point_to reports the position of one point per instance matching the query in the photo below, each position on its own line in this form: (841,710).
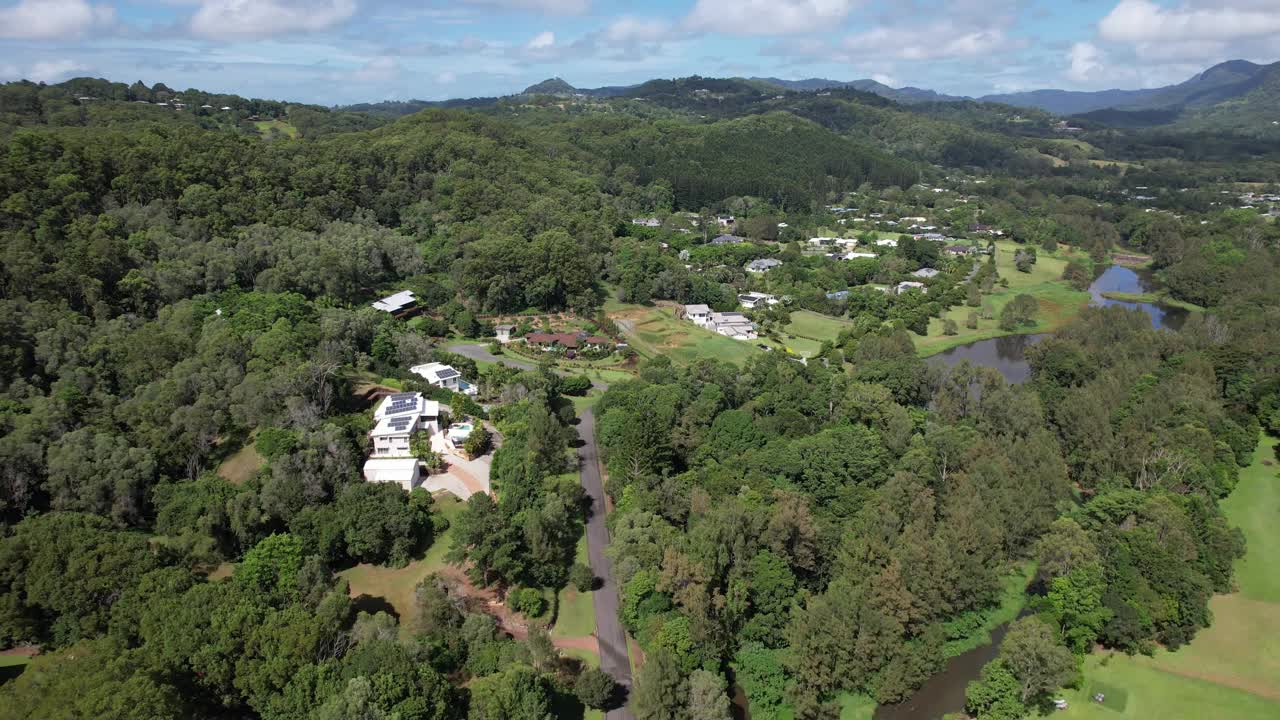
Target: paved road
(480,352)
(609,634)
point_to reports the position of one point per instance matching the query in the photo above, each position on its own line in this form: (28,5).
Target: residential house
(399,305)
(936,237)
(732,324)
(887,242)
(397,418)
(925,273)
(838,295)
(699,315)
(856,255)
(652,222)
(763,265)
(909,285)
(567,341)
(725,220)
(958,250)
(444,376)
(405,472)
(752,299)
(727,240)
(502,333)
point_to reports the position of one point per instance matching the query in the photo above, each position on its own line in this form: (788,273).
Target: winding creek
(944,693)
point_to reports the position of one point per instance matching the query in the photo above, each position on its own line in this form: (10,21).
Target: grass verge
(1059,302)
(1232,668)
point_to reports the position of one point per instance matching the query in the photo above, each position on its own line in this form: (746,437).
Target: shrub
(273,442)
(582,577)
(594,688)
(478,442)
(575,385)
(528,601)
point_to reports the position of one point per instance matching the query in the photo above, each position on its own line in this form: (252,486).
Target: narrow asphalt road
(481,353)
(611,639)
(609,634)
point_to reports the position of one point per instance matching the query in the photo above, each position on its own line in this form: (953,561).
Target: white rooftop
(397,470)
(395,303)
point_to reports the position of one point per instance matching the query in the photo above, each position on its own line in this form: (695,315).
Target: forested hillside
(813,514)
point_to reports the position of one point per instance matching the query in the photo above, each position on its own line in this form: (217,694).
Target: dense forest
(177,286)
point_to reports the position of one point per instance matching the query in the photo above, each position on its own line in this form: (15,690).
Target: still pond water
(944,692)
(1008,354)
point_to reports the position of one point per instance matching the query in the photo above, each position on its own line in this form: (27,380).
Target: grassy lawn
(14,660)
(816,326)
(1232,668)
(577,616)
(658,332)
(266,126)
(1059,302)
(242,465)
(395,585)
(1254,507)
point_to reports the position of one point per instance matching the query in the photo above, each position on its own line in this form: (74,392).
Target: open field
(242,464)
(265,127)
(816,326)
(395,585)
(1232,668)
(1059,302)
(577,614)
(657,331)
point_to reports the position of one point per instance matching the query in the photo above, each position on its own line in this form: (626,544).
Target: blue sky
(341,51)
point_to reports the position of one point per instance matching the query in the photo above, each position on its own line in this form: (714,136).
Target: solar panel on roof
(447,374)
(400,397)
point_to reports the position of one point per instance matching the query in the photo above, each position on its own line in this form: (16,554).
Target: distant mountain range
(1235,94)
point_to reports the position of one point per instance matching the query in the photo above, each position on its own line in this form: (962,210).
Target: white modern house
(732,324)
(887,242)
(699,315)
(502,333)
(397,418)
(856,255)
(444,376)
(404,472)
(397,304)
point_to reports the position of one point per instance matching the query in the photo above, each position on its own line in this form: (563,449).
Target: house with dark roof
(763,265)
(727,240)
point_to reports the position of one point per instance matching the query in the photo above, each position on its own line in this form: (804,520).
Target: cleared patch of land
(654,331)
(577,615)
(815,327)
(269,128)
(1059,302)
(241,465)
(1232,668)
(396,585)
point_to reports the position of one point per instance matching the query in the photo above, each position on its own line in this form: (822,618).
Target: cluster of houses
(730,324)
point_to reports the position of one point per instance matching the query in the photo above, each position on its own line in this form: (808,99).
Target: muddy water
(944,693)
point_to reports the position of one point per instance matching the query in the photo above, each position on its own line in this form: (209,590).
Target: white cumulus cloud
(547,7)
(899,43)
(1145,21)
(52,19)
(768,17)
(542,41)
(1086,60)
(260,18)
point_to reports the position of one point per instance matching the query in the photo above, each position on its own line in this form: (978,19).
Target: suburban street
(609,634)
